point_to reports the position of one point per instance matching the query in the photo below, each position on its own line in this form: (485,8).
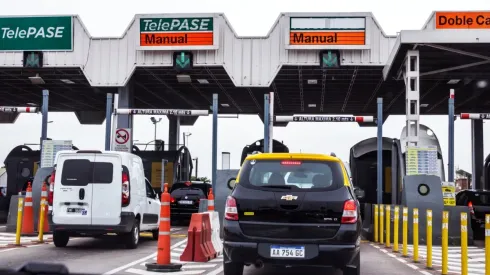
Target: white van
(93,193)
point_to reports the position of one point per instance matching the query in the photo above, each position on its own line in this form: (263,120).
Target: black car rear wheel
(231,268)
(355,267)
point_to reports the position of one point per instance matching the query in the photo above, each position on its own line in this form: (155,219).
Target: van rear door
(107,189)
(72,199)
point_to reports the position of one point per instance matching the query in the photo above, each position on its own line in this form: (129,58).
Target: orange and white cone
(210,200)
(28,217)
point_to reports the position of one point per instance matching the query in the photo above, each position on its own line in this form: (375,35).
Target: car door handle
(149,202)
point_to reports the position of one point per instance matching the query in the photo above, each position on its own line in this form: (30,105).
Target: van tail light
(470,206)
(231,211)
(349,215)
(51,188)
(172,200)
(125,189)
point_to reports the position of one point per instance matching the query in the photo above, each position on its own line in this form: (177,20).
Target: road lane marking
(8,249)
(116,270)
(216,271)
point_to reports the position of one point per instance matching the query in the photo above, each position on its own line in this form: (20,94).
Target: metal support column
(108,122)
(271,122)
(451,136)
(477,153)
(412,96)
(44,123)
(266,124)
(215,142)
(380,151)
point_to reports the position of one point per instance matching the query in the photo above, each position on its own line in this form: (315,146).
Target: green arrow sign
(32,61)
(330,60)
(182,60)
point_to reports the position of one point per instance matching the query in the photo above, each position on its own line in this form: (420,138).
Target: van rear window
(294,175)
(81,172)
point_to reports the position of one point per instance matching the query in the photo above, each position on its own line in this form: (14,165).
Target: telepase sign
(36,33)
(173,33)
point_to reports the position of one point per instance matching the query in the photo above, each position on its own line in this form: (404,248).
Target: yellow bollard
(376,217)
(445,238)
(405,232)
(395,228)
(464,243)
(429,238)
(41,221)
(388,227)
(487,244)
(415,235)
(20,206)
(381,224)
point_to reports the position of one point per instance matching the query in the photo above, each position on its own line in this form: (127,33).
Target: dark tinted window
(194,188)
(103,172)
(76,172)
(80,172)
(292,174)
(480,199)
(188,191)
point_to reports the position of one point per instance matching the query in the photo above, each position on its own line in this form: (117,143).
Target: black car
(185,198)
(478,202)
(292,210)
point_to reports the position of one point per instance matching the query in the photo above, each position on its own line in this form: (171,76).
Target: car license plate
(77,211)
(278,251)
(186,202)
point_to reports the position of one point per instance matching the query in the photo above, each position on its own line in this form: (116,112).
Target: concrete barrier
(203,206)
(215,231)
(222,191)
(12,216)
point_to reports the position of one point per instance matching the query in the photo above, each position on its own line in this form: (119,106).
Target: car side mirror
(231,183)
(359,192)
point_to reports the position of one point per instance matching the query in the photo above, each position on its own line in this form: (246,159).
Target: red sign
(122,136)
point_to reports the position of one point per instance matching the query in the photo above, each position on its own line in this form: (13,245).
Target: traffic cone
(163,263)
(210,200)
(28,217)
(44,198)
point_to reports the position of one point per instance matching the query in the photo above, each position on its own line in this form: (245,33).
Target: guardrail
(386,220)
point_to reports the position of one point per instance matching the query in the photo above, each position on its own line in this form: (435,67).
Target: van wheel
(60,238)
(133,237)
(155,234)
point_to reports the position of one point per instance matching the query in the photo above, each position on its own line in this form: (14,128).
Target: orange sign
(463,20)
(176,39)
(327,38)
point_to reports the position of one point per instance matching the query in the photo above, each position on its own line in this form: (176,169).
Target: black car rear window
(293,174)
(194,188)
(187,191)
(81,172)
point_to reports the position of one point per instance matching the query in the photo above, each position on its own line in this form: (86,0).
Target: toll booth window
(296,175)
(103,172)
(76,172)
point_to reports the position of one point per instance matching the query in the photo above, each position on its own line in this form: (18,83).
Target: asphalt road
(107,256)
(84,255)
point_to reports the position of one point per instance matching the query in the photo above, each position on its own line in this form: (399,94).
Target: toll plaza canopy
(314,63)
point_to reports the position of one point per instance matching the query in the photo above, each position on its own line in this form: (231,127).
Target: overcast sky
(111,18)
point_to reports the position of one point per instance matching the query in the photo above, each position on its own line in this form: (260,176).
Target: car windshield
(293,174)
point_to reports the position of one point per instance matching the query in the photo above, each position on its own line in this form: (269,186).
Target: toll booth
(258,146)
(178,165)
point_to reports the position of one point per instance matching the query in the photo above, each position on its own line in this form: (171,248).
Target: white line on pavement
(144,272)
(216,271)
(116,270)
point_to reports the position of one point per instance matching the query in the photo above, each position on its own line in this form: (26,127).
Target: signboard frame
(367,29)
(128,144)
(216,23)
(44,151)
(72,27)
